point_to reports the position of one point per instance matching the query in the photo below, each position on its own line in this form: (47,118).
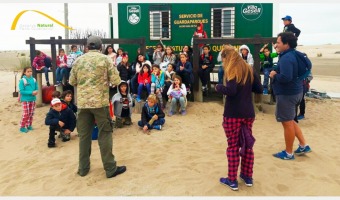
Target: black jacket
(124,73)
(292,28)
(207,60)
(146,115)
(66,115)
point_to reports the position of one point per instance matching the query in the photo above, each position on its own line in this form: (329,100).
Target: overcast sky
(318,22)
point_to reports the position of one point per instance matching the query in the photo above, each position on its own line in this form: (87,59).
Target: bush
(23,62)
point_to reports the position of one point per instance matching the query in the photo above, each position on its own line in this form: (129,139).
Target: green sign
(251,11)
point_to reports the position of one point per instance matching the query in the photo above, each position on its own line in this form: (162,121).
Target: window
(160,25)
(223,22)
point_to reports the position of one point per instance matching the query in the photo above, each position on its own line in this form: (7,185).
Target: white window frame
(152,37)
(232,31)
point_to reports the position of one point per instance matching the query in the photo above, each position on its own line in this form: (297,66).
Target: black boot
(51,138)
(51,142)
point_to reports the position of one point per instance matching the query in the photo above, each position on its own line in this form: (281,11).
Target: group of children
(43,63)
(61,116)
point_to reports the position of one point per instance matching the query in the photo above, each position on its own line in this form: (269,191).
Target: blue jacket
(286,80)
(159,81)
(27,89)
(66,115)
(187,68)
(148,113)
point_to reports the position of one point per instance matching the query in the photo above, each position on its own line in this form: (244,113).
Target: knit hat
(55,101)
(94,41)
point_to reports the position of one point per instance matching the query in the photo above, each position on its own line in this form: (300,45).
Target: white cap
(55,101)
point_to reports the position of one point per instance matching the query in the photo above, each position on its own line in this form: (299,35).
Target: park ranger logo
(133,14)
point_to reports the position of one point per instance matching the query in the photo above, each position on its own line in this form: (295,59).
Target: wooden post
(39,95)
(54,58)
(59,44)
(32,55)
(142,46)
(197,90)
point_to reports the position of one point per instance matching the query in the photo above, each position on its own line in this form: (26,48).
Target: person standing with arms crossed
(289,27)
(288,91)
(92,73)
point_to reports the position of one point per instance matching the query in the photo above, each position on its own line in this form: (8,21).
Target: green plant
(23,62)
(22,54)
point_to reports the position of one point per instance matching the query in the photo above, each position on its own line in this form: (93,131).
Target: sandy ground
(186,158)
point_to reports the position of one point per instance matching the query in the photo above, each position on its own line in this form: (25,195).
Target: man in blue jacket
(288,90)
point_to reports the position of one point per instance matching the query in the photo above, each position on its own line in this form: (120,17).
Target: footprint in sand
(282,188)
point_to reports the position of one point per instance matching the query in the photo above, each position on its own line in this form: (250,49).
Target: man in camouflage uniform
(92,73)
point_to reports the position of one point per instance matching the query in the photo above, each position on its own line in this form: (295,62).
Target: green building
(175,23)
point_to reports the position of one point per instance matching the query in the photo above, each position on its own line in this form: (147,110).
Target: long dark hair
(24,71)
(106,52)
(142,72)
(180,81)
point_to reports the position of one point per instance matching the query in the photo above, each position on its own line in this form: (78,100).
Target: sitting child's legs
(182,102)
(127,121)
(173,105)
(153,86)
(159,121)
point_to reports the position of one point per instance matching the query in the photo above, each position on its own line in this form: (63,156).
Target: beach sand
(186,158)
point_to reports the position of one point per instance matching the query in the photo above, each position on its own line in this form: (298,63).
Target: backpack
(304,65)
(25,83)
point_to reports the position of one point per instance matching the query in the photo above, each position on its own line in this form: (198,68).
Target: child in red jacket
(144,81)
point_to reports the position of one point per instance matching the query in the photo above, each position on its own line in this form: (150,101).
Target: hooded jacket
(26,88)
(119,102)
(250,59)
(148,113)
(71,105)
(66,115)
(201,34)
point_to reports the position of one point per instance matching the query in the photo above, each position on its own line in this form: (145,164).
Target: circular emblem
(133,14)
(251,11)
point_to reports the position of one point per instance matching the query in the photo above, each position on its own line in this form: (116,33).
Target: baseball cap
(55,101)
(94,41)
(287,17)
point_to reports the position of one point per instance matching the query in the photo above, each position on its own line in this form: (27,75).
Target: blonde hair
(235,67)
(153,98)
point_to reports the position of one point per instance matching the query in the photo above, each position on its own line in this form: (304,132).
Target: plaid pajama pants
(232,129)
(27,113)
